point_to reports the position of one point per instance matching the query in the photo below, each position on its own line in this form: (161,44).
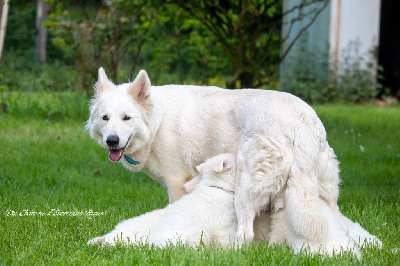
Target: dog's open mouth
(115,154)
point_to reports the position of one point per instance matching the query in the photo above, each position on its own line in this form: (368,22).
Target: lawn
(58,189)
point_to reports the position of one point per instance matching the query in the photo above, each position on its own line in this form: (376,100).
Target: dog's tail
(303,187)
(328,177)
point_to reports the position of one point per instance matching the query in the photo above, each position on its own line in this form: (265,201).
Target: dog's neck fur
(144,153)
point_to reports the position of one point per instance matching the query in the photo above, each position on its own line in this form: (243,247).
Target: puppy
(195,219)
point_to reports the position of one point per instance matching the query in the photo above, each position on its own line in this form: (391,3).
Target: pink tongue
(115,155)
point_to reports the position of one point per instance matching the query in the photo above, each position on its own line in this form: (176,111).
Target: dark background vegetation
(232,44)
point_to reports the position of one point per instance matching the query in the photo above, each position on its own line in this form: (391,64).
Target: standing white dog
(166,131)
(205,216)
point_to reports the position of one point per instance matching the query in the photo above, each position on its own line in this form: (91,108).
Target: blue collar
(131,161)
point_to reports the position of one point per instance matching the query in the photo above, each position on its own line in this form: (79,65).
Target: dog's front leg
(245,210)
(245,215)
(176,188)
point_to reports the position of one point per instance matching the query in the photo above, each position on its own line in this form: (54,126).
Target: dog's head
(219,171)
(118,114)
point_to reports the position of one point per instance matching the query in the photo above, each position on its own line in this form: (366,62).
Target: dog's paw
(160,244)
(96,241)
(377,242)
(371,240)
(243,237)
(361,236)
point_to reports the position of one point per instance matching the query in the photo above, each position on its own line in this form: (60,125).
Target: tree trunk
(3,25)
(136,58)
(177,47)
(246,79)
(114,62)
(41,31)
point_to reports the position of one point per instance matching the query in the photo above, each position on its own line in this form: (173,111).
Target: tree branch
(306,27)
(195,11)
(136,58)
(300,6)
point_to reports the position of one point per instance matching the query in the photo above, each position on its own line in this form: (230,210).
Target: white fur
(132,231)
(205,216)
(359,235)
(336,241)
(279,140)
(338,238)
(342,233)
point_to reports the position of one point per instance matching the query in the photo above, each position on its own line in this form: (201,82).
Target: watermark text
(53,213)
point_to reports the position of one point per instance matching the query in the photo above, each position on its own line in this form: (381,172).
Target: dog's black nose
(112,141)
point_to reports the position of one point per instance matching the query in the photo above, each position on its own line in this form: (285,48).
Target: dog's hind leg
(262,170)
(359,234)
(132,231)
(302,193)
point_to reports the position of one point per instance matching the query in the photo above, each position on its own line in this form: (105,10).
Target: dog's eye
(105,117)
(126,118)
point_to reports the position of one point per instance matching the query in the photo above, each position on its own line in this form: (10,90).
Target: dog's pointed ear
(103,83)
(223,166)
(139,89)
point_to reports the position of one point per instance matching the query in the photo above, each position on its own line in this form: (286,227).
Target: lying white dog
(166,131)
(343,234)
(205,216)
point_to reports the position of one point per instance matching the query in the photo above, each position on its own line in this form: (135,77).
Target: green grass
(45,105)
(52,163)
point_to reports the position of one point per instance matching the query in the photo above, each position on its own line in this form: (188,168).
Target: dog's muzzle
(112,141)
(114,153)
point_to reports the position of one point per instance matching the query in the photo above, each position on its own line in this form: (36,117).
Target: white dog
(166,131)
(205,216)
(343,234)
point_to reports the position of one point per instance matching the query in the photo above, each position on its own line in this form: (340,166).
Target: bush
(45,105)
(356,81)
(24,75)
(319,82)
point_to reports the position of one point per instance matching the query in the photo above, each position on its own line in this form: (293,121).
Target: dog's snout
(112,141)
